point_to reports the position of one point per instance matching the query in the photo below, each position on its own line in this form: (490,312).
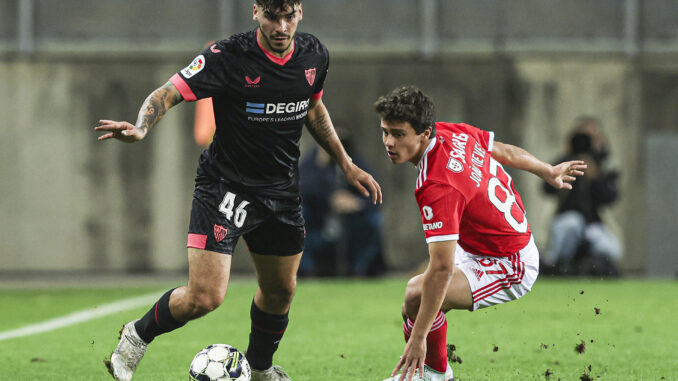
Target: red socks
(436,342)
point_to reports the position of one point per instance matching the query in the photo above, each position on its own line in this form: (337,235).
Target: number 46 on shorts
(226,207)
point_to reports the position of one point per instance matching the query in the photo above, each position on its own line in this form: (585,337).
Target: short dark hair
(277,4)
(407,104)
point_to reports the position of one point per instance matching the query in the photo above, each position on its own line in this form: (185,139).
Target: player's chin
(395,159)
(281,46)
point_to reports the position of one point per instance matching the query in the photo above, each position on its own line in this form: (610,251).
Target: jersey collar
(431,144)
(280,61)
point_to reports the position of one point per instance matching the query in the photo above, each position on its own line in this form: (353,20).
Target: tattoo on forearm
(321,129)
(151,114)
(156,105)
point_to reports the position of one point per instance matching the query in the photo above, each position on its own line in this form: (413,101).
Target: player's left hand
(413,359)
(564,173)
(364,182)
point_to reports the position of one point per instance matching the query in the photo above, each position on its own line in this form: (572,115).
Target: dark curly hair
(277,4)
(407,104)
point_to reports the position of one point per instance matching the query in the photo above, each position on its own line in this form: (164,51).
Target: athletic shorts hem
(497,280)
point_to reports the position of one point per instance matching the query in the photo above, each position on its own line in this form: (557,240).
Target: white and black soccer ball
(219,362)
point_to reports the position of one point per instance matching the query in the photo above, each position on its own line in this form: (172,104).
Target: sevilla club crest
(219,232)
(310,76)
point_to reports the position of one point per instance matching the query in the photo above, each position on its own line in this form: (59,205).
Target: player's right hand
(563,174)
(123,131)
(412,360)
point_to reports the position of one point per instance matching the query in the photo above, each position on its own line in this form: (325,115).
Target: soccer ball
(219,362)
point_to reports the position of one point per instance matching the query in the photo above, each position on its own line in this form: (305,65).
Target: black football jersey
(260,106)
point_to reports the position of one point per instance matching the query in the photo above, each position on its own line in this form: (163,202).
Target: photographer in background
(580,244)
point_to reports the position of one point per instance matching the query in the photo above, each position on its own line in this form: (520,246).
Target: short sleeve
(205,76)
(486,138)
(320,82)
(441,207)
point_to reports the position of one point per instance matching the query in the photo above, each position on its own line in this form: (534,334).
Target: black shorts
(220,214)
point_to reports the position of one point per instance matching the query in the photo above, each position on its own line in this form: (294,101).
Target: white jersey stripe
(423,164)
(425,170)
(440,238)
(490,143)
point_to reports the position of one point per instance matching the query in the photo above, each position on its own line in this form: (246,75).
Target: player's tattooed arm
(320,126)
(152,110)
(156,105)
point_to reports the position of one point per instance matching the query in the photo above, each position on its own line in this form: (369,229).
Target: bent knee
(281,295)
(413,296)
(284,295)
(203,303)
(413,289)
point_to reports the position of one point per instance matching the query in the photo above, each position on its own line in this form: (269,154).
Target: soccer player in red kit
(481,248)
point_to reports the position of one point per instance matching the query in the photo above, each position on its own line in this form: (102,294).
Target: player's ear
(254,13)
(301,12)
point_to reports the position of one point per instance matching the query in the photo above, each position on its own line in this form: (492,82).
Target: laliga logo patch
(455,165)
(195,67)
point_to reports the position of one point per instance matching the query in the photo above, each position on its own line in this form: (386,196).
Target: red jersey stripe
(183,88)
(317,95)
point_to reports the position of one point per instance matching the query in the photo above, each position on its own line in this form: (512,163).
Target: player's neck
(420,152)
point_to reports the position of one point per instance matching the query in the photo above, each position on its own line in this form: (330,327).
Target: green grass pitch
(351,330)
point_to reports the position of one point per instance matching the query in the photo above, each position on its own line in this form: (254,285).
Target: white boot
(128,353)
(274,373)
(430,374)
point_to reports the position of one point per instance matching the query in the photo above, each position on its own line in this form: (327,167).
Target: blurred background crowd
(595,79)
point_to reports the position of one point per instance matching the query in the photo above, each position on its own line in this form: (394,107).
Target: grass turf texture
(351,329)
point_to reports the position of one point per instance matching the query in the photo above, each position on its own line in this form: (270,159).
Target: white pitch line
(81,316)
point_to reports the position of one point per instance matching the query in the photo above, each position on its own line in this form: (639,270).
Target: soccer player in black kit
(265,84)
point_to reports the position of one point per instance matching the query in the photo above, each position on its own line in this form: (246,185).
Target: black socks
(158,320)
(267,331)
(265,335)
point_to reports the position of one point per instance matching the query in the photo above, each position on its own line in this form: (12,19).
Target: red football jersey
(465,195)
